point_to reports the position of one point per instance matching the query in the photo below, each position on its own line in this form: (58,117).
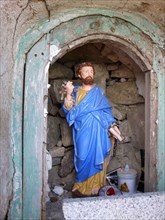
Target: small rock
(112,66)
(56,161)
(113,57)
(123,80)
(53,199)
(112,82)
(58,190)
(59,143)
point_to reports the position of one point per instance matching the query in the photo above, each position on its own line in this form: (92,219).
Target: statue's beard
(88,80)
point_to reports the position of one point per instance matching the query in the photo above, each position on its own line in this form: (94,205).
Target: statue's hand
(66,90)
(117,130)
(69,87)
(116,133)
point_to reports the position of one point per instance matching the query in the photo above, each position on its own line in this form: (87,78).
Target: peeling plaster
(45,112)
(124,5)
(47,68)
(16,23)
(16,184)
(48,85)
(47,9)
(54,50)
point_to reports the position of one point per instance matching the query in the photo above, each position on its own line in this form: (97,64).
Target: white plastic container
(127,180)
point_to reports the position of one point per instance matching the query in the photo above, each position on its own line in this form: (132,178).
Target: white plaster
(54,50)
(17,181)
(152,71)
(48,86)
(48,160)
(45,112)
(47,68)
(48,167)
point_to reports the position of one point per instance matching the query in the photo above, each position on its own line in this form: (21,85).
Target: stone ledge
(149,206)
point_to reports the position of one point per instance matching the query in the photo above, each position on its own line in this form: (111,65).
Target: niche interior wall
(44,44)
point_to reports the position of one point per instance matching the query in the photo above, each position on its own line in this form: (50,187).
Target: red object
(110,192)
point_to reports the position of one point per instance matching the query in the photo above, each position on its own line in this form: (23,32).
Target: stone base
(136,206)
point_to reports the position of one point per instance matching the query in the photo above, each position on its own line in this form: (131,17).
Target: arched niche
(46,43)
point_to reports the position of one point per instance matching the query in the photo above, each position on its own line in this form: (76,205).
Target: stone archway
(31,93)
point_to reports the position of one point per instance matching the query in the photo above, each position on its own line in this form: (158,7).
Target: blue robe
(90,119)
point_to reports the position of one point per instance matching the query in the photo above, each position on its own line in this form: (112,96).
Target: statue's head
(85,72)
(84,64)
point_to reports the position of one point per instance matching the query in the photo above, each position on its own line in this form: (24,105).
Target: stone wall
(119,83)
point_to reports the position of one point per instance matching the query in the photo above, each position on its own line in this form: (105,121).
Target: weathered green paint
(97,24)
(45,26)
(33,129)
(128,27)
(159,67)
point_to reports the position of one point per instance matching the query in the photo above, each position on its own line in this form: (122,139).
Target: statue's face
(86,75)
(87,71)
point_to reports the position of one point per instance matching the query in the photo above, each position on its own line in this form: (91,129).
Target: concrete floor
(54,210)
(54,206)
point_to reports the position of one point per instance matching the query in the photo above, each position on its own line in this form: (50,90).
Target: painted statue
(89,113)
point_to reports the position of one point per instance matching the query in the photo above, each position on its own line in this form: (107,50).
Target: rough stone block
(55,179)
(52,109)
(84,53)
(57,152)
(113,57)
(101,75)
(125,131)
(56,161)
(140,82)
(67,164)
(105,51)
(124,93)
(136,118)
(112,66)
(61,112)
(66,133)
(53,131)
(55,90)
(122,72)
(58,71)
(118,113)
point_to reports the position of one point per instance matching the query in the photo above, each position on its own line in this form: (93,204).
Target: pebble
(58,190)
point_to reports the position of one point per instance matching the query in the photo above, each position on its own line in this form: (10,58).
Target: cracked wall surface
(19,16)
